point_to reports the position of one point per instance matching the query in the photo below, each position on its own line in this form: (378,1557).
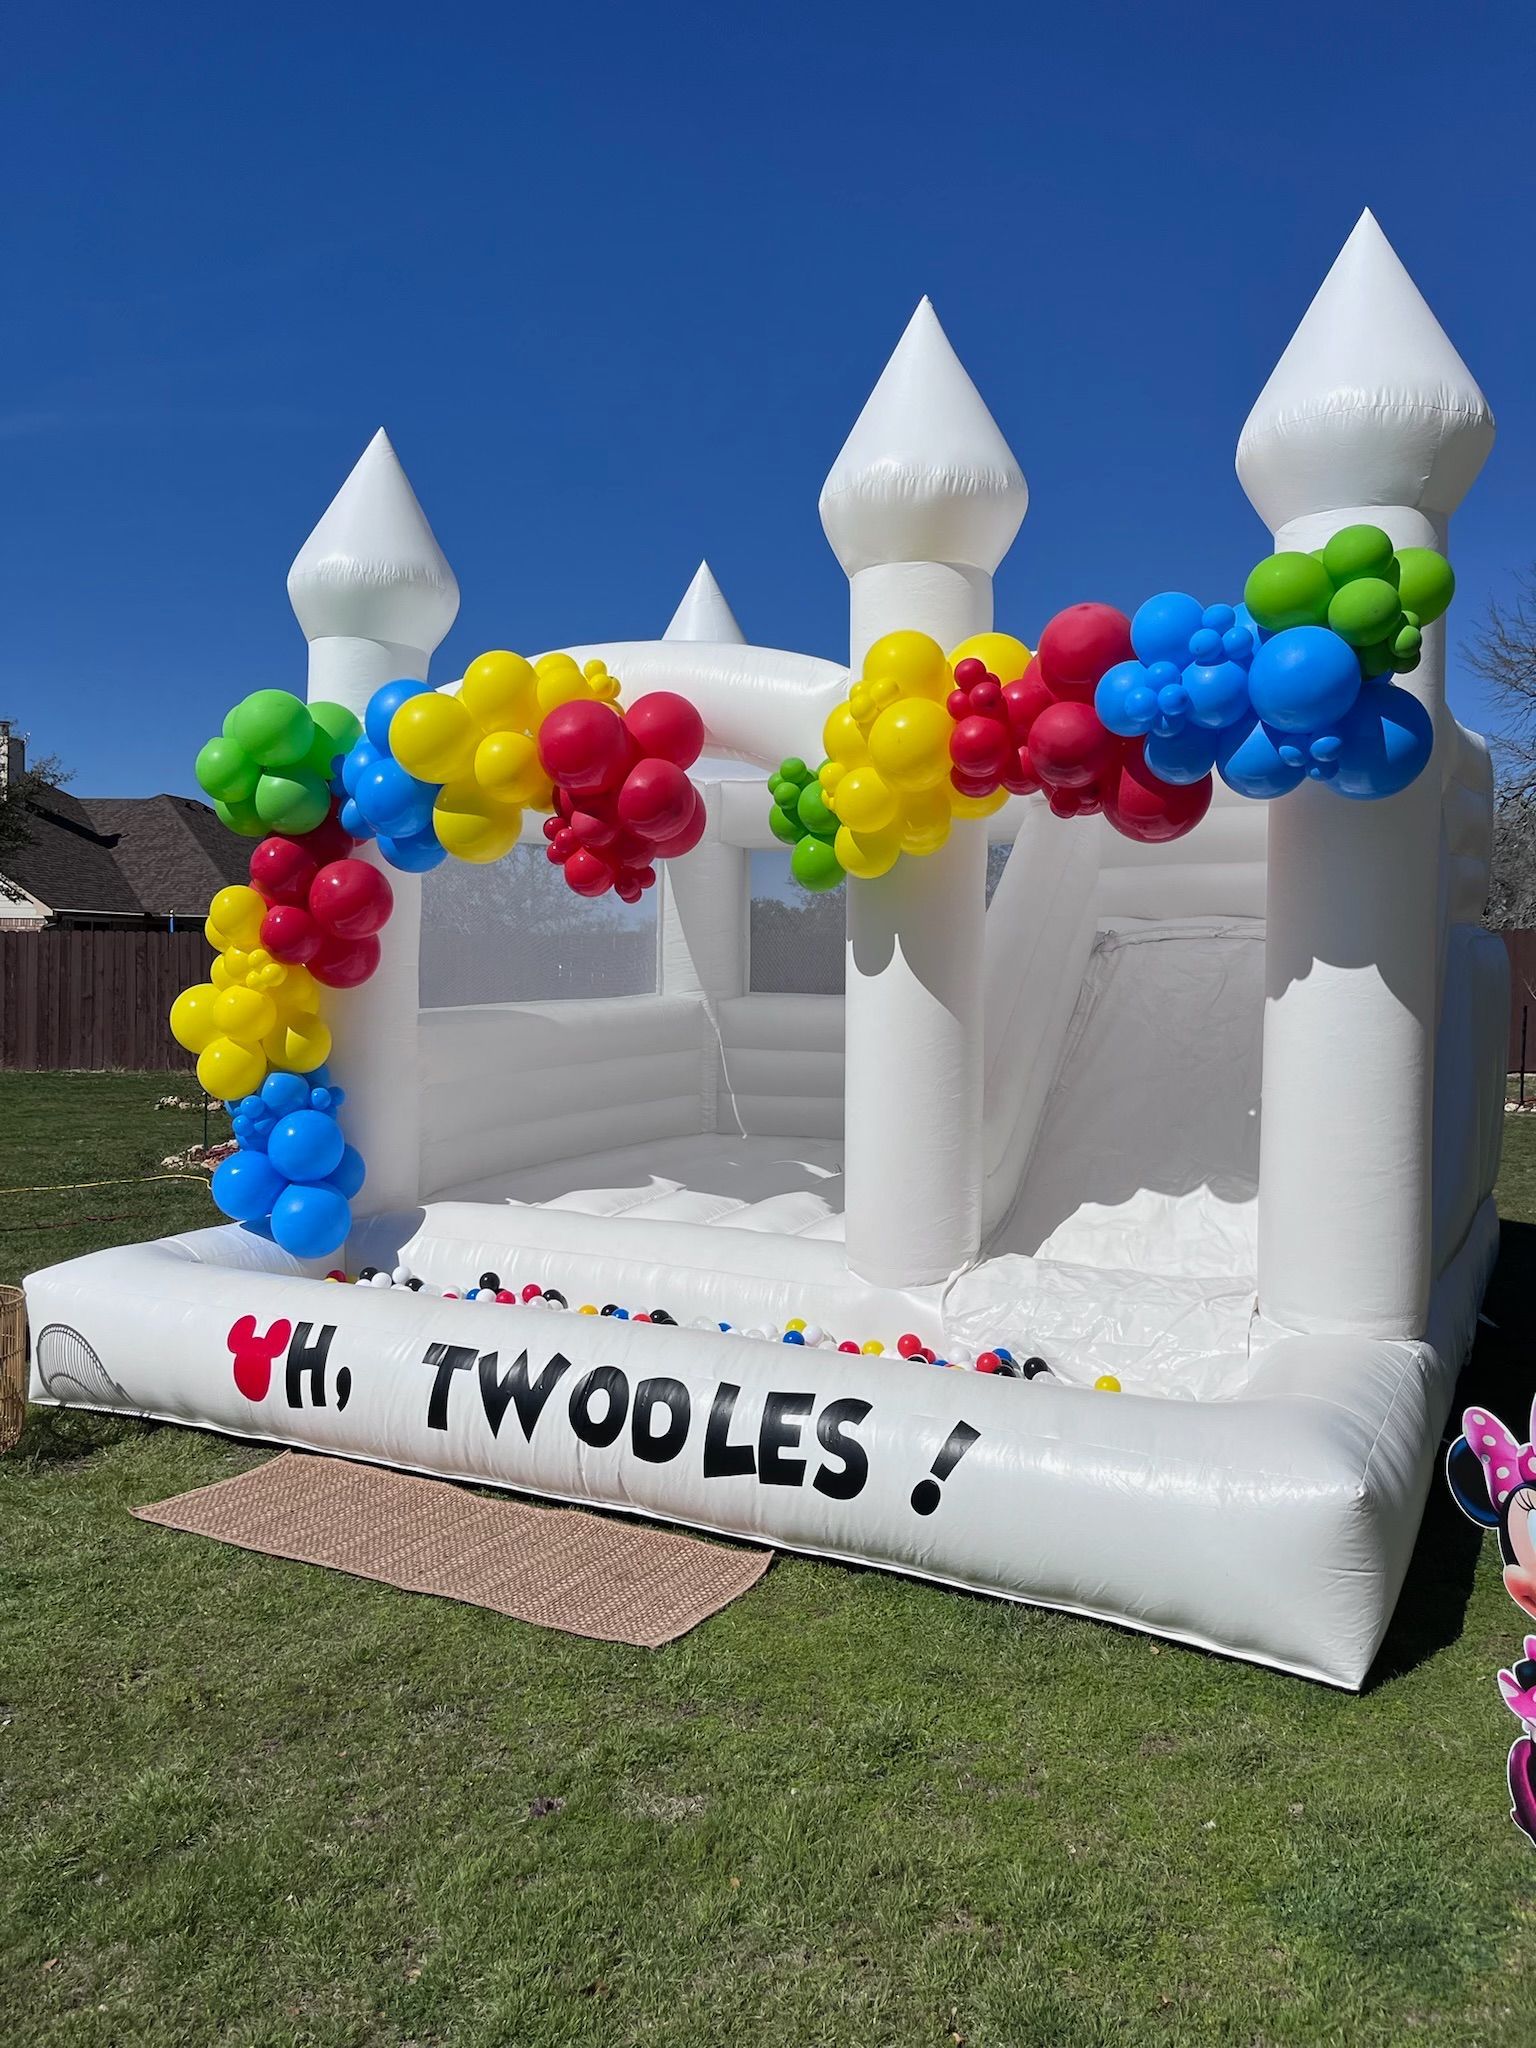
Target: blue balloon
(1248,760)
(382,706)
(1385,742)
(246,1184)
(282,1094)
(1165,625)
(260,1226)
(1125,700)
(348,1175)
(353,823)
(1304,679)
(311,1222)
(416,853)
(1185,756)
(306,1146)
(393,801)
(1219,618)
(359,757)
(1218,694)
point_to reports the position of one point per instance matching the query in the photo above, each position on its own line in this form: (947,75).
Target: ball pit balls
(1106,1383)
(988,1361)
(491,1280)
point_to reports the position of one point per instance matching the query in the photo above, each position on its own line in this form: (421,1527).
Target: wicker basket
(13,1365)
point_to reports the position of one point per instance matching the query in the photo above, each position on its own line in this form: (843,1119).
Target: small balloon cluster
(271,768)
(622,797)
(294,1176)
(322,908)
(1292,684)
(254,1012)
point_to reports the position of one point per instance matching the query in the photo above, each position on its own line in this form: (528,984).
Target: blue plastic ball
(1163,627)
(246,1184)
(382,706)
(311,1221)
(1304,679)
(306,1146)
(793,1337)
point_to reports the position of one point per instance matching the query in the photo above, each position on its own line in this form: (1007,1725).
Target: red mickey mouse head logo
(254,1354)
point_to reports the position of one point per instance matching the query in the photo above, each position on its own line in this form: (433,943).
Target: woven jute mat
(583,1573)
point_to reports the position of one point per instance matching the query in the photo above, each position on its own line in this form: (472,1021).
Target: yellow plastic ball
(842,738)
(228,1070)
(909,744)
(795,1323)
(1106,1383)
(1006,657)
(507,768)
(245,1014)
(237,912)
(868,855)
(472,825)
(588,1308)
(433,737)
(193,1025)
(865,800)
(299,1044)
(976,806)
(913,663)
(500,691)
(873,1349)
(560,682)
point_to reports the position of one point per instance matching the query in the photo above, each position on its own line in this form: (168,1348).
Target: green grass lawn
(243,1802)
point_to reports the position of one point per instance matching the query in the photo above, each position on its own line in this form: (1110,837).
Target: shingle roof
(157,856)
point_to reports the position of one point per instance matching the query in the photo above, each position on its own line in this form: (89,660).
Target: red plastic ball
(988,1361)
(666,727)
(351,898)
(1079,644)
(282,869)
(1025,699)
(588,873)
(505,1294)
(657,800)
(979,747)
(908,1344)
(640,1319)
(846,1346)
(680,842)
(532,1290)
(1068,745)
(583,746)
(1144,808)
(291,935)
(345,963)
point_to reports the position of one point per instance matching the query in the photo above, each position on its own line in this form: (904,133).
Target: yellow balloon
(865,801)
(474,826)
(300,1045)
(229,1071)
(842,739)
(298,995)
(220,976)
(909,744)
(500,692)
(192,1019)
(913,662)
(246,1015)
(238,961)
(560,681)
(924,825)
(237,912)
(976,806)
(507,767)
(220,941)
(1006,657)
(434,737)
(867,855)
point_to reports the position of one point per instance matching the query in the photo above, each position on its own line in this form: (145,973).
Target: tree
(21,794)
(1503,653)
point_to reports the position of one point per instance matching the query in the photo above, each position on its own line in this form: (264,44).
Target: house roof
(157,856)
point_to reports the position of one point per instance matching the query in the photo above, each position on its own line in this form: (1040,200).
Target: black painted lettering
(448,1359)
(657,1447)
(515,1387)
(782,1416)
(307,1354)
(722,1458)
(832,1427)
(601,1430)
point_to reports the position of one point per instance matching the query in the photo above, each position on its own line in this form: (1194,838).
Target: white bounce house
(1220,1118)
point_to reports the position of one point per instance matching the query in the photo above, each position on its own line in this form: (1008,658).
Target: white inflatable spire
(372,567)
(704,613)
(1369,405)
(926,475)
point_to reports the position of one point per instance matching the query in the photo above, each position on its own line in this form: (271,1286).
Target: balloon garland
(425,774)
(1128,718)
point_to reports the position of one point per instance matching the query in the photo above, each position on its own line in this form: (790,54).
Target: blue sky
(618,279)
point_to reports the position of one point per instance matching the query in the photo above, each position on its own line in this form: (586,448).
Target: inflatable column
(921,506)
(1370,416)
(374,596)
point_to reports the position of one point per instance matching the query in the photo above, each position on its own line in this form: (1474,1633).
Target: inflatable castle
(1195,1133)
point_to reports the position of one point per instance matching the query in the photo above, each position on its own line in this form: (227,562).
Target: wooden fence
(95,998)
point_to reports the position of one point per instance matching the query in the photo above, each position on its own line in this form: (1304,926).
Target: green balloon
(342,727)
(1359,551)
(293,803)
(1425,583)
(783,826)
(240,816)
(1366,609)
(813,813)
(1375,660)
(794,770)
(273,727)
(1288,590)
(785,794)
(224,769)
(815,866)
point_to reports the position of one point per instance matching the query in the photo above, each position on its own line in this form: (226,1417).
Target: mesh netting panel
(997,860)
(512,932)
(797,936)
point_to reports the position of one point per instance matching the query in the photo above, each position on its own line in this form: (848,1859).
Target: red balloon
(656,800)
(628,890)
(290,934)
(345,963)
(972,785)
(591,828)
(1079,644)
(351,898)
(282,869)
(666,727)
(1025,699)
(329,841)
(588,873)
(1142,807)
(551,827)
(1019,777)
(680,842)
(1068,745)
(583,746)
(979,747)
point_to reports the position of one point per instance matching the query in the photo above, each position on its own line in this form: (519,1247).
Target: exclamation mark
(926,1495)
